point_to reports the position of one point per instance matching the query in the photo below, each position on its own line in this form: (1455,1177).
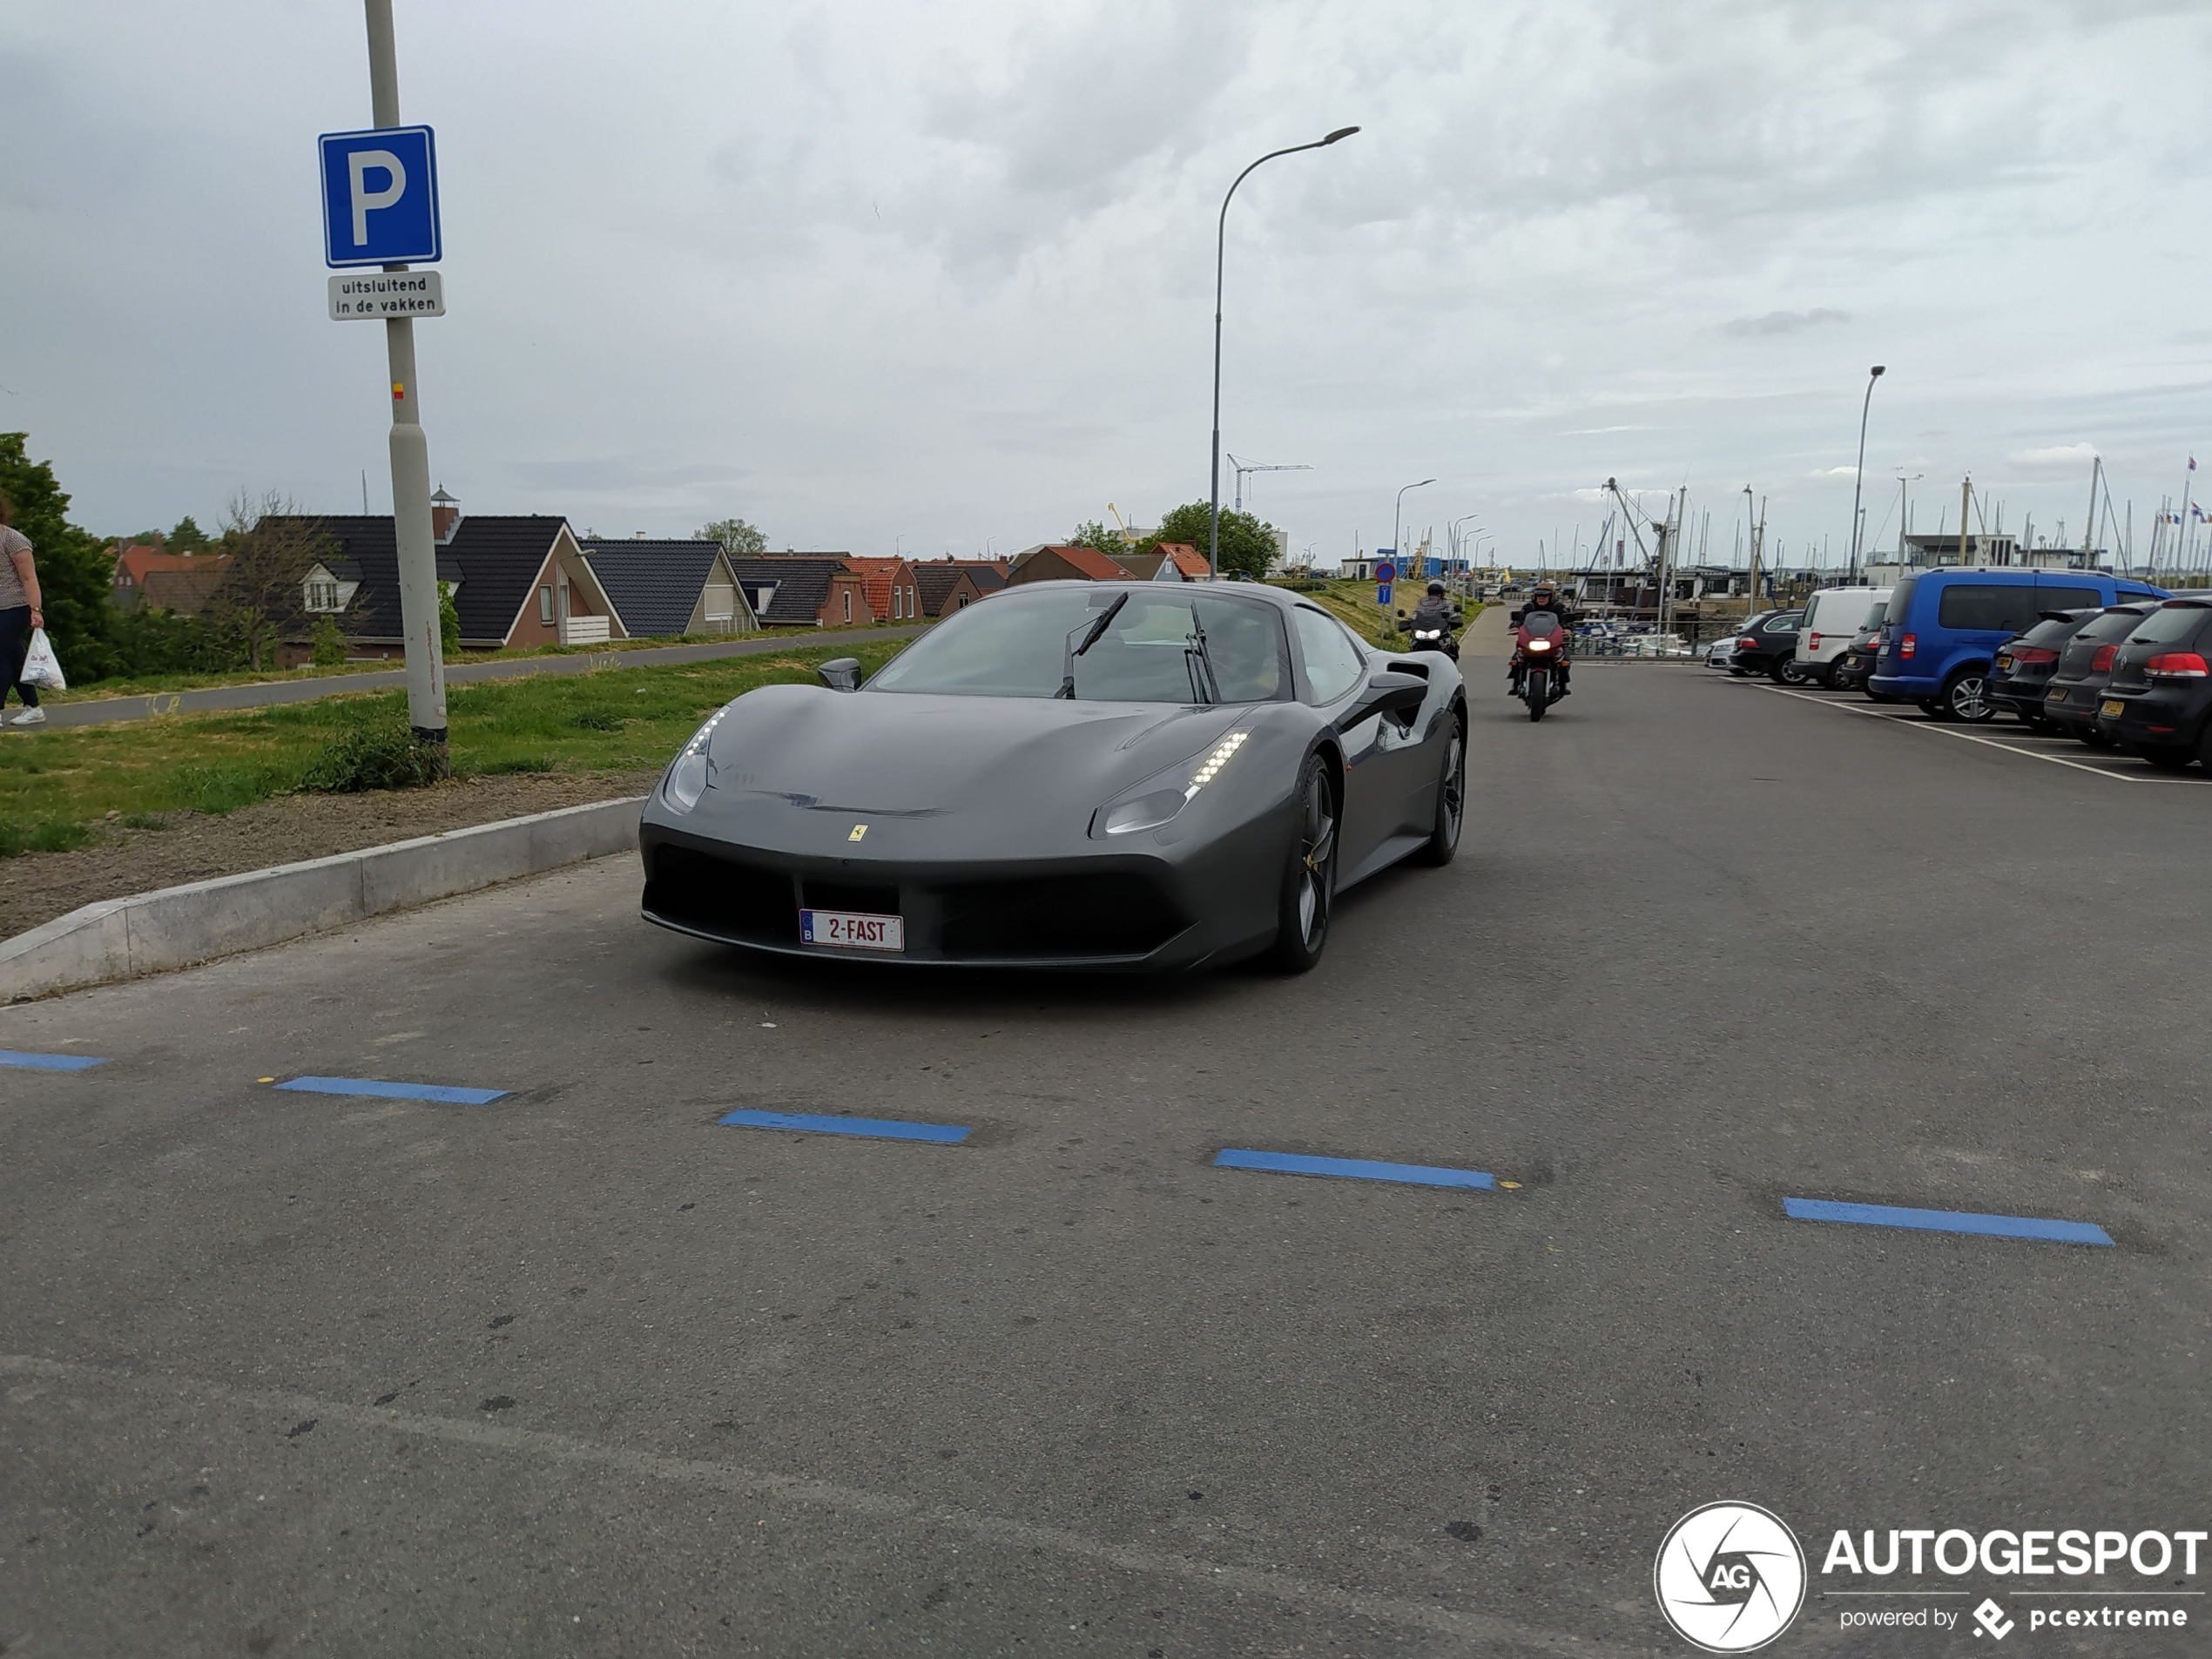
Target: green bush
(449,622)
(54,836)
(329,642)
(374,756)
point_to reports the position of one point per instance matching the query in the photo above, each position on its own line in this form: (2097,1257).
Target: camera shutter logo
(1729,1577)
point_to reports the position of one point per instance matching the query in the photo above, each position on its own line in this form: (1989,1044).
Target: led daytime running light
(1215,762)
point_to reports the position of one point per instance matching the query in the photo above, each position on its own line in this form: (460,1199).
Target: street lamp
(1220,248)
(1396,516)
(1873,374)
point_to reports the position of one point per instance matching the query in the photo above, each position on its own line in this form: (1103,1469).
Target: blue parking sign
(380,197)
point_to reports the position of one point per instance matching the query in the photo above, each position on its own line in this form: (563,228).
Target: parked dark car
(2158,703)
(1855,667)
(2084,664)
(1766,645)
(2025,664)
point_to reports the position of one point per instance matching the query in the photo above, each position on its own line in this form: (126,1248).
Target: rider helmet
(1436,588)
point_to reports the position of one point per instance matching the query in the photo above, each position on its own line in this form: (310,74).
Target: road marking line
(47,1062)
(1418,1175)
(1216,1570)
(877,1129)
(1944,1221)
(1989,742)
(439,1092)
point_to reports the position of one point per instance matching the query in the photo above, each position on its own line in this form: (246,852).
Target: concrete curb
(177,927)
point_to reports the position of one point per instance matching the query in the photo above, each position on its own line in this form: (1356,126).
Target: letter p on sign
(380,198)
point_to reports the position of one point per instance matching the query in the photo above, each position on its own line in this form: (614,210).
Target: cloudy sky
(936,277)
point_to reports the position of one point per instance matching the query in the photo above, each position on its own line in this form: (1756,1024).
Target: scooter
(1539,654)
(1433,638)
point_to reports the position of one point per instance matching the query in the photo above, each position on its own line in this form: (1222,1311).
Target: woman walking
(19,613)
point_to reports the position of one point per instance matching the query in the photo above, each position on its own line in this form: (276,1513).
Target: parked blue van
(1942,628)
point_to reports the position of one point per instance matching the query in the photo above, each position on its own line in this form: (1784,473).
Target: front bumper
(1135,910)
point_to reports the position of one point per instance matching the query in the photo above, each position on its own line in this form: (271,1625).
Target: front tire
(1309,874)
(1451,800)
(1539,693)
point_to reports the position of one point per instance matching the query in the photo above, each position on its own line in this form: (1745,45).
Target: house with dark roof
(804,589)
(953,585)
(667,587)
(516,580)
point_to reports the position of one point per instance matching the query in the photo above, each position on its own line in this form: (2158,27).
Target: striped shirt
(12,541)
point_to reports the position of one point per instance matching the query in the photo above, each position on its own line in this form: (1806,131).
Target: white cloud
(2065,454)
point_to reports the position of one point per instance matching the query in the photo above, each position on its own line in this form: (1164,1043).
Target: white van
(1832,616)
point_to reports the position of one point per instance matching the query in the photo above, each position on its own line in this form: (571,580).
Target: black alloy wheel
(1308,873)
(1451,799)
(1788,672)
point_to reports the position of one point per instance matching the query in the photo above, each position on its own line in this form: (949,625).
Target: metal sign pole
(415,543)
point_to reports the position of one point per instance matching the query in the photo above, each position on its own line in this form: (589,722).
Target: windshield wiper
(1198,662)
(1090,638)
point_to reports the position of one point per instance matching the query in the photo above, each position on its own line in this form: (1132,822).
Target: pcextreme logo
(1729,1577)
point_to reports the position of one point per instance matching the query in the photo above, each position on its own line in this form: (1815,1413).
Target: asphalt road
(582,1371)
(108,709)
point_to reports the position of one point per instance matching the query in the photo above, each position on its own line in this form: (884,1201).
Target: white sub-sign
(386,293)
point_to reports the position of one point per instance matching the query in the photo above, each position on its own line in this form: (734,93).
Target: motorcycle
(1433,638)
(1539,655)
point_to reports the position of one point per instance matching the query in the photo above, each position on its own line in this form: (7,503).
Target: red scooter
(1539,657)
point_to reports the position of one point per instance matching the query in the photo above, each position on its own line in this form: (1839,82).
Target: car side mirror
(1388,691)
(841,674)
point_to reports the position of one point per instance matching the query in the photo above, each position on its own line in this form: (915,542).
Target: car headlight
(1161,797)
(692,770)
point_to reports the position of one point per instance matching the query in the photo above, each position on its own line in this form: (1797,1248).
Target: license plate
(853,929)
(2056,694)
(2112,709)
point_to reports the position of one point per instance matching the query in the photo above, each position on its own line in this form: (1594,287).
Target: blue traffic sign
(380,197)
(1382,593)
(1385,571)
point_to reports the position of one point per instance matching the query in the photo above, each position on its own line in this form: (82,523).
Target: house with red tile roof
(889,587)
(1062,563)
(183,580)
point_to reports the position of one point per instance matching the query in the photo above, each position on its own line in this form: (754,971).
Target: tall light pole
(1220,250)
(1396,518)
(1873,374)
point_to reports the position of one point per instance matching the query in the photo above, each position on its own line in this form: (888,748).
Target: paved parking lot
(585,1368)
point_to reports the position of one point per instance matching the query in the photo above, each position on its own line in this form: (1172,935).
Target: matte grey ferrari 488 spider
(1140,775)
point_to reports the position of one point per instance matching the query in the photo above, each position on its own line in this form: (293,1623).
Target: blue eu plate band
(876,1129)
(438,1092)
(1944,1221)
(1418,1175)
(47,1062)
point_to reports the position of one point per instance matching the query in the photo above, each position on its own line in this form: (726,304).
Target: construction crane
(1129,536)
(1242,468)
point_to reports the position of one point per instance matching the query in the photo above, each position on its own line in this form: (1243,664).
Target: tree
(1095,534)
(739,540)
(1247,545)
(187,537)
(262,596)
(75,576)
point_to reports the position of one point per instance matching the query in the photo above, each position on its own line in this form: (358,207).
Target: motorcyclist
(1543,597)
(1434,611)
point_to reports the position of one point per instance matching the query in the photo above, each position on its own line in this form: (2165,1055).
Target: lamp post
(1873,374)
(1220,249)
(1397,517)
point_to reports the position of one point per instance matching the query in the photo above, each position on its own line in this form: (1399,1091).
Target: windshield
(1016,645)
(1541,622)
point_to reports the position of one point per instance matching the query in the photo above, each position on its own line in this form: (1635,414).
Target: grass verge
(54,784)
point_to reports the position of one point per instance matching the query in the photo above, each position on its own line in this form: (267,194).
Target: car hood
(890,755)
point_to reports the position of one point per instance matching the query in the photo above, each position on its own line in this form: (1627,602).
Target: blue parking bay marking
(1418,1175)
(438,1092)
(874,1129)
(47,1062)
(1944,1221)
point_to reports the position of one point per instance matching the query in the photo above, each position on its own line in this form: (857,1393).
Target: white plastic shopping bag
(42,667)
